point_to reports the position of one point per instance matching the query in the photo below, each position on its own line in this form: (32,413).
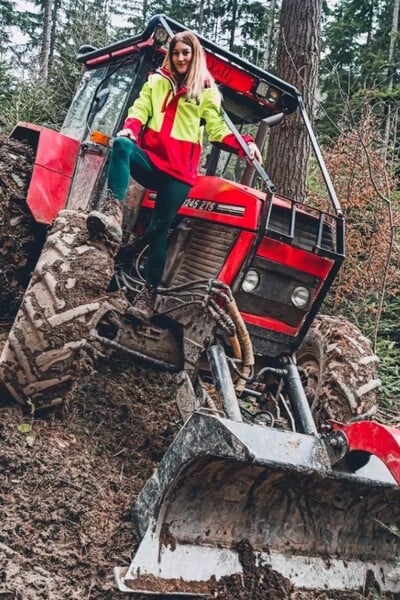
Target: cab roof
(259,93)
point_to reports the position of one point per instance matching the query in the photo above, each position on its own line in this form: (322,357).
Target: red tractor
(247,272)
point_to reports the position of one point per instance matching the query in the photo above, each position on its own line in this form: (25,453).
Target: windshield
(100,101)
(75,120)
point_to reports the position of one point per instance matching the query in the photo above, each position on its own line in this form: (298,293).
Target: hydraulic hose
(244,342)
(236,348)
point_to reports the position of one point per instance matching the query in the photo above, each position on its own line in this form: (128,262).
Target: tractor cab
(114,75)
(253,99)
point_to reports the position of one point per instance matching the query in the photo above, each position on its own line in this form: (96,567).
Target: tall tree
(130,16)
(391,74)
(46,42)
(256,31)
(269,36)
(298,55)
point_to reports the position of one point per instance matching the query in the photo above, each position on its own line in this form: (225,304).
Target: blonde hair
(198,76)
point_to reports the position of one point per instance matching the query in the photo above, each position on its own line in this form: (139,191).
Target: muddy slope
(69,479)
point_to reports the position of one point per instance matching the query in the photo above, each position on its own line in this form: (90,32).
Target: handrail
(260,170)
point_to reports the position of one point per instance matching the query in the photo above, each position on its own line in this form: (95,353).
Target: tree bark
(56,10)
(46,44)
(391,74)
(298,55)
(200,18)
(145,10)
(269,36)
(234,22)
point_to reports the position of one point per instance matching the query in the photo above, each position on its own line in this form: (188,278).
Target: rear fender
(53,169)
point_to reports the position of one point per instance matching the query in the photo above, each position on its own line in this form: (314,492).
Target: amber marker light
(100,138)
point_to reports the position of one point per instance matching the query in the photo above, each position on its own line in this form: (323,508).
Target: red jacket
(169,128)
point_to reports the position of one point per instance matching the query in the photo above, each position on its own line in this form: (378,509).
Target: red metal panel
(217,191)
(377,439)
(236,257)
(229,75)
(128,50)
(48,193)
(53,170)
(298,259)
(271,324)
(57,152)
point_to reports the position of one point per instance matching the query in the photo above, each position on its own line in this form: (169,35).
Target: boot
(107,224)
(143,306)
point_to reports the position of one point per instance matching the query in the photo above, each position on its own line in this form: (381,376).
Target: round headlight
(300,297)
(251,281)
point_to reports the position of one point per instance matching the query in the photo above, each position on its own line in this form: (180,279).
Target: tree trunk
(234,22)
(269,36)
(200,19)
(56,10)
(45,49)
(145,10)
(298,56)
(391,74)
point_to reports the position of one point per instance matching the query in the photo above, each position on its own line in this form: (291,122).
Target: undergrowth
(367,288)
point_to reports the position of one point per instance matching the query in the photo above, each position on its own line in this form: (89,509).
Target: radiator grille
(198,250)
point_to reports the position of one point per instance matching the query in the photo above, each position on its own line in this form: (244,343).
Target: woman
(160,146)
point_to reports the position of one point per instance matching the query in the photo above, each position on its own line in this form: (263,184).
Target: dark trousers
(128,159)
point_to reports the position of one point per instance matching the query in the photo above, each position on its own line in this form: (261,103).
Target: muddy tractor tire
(16,223)
(339,370)
(47,345)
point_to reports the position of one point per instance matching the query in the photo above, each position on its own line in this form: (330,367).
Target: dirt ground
(70,478)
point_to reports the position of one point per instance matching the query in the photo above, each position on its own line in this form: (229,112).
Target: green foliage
(32,99)
(97,22)
(355,62)
(254,22)
(7,18)
(383,95)
(34,103)
(87,22)
(129,16)
(6,82)
(388,351)
(389,372)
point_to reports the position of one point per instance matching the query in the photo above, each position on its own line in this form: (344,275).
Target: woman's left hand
(254,152)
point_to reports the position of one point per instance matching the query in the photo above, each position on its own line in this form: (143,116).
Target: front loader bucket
(222,482)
